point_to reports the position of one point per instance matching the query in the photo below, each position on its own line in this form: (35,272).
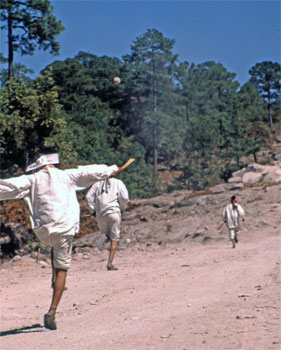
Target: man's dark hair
(47,150)
(43,151)
(232,198)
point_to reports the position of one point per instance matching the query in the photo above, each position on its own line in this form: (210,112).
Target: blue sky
(237,34)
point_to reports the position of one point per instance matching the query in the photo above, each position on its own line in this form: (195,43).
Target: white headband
(44,160)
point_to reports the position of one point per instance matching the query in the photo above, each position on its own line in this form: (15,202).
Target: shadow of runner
(27,329)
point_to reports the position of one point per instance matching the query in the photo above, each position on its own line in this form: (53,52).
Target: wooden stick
(129,162)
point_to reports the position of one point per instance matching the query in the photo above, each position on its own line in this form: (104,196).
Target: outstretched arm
(15,187)
(87,175)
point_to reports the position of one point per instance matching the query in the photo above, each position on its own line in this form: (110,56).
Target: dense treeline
(196,118)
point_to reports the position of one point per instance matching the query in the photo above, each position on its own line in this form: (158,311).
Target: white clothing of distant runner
(107,199)
(231,216)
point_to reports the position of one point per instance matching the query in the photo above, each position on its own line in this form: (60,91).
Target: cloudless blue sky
(237,34)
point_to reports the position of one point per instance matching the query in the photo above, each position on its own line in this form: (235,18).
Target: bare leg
(54,274)
(59,284)
(113,247)
(53,269)
(233,243)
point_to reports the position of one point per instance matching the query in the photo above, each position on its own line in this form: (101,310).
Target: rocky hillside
(166,219)
(196,217)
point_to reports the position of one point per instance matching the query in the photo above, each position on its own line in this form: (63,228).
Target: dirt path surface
(184,296)
(179,286)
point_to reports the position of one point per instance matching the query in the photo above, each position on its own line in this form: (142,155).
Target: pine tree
(29,24)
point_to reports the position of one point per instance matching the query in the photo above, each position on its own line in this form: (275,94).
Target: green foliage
(265,76)
(252,113)
(201,172)
(155,119)
(29,119)
(202,135)
(209,92)
(223,124)
(96,129)
(207,88)
(30,24)
(20,71)
(33,23)
(276,112)
(243,129)
(34,246)
(176,185)
(137,176)
(90,117)
(87,75)
(163,110)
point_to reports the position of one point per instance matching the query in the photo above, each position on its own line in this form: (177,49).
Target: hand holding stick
(130,161)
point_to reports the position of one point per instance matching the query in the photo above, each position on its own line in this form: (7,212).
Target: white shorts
(233,232)
(110,225)
(62,248)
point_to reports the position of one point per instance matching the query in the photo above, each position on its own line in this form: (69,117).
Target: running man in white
(107,199)
(50,194)
(231,216)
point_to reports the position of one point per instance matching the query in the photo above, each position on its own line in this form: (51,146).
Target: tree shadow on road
(26,329)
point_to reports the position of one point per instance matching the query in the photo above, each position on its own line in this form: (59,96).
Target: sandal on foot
(112,268)
(49,322)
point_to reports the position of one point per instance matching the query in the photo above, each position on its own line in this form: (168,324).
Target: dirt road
(183,296)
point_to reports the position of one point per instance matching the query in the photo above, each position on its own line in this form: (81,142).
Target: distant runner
(107,199)
(231,216)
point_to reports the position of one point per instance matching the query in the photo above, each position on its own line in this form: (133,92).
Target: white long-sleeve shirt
(231,215)
(107,196)
(51,195)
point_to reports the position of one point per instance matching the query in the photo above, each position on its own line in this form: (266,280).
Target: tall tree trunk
(10,44)
(155,140)
(155,151)
(269,110)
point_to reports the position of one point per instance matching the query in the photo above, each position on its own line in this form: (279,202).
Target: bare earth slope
(179,286)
